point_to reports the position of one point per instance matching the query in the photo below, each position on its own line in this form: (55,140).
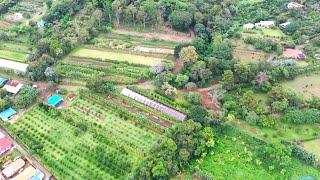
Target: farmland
(103,145)
(104,55)
(15,52)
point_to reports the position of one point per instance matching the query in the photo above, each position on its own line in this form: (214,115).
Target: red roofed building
(5,145)
(294,53)
(13,87)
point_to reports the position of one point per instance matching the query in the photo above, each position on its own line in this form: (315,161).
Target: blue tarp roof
(37,176)
(7,113)
(41,23)
(3,81)
(54,100)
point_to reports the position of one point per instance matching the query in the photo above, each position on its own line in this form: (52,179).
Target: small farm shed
(14,167)
(13,87)
(293,5)
(72,96)
(38,175)
(294,53)
(55,100)
(5,145)
(41,23)
(3,82)
(265,24)
(7,114)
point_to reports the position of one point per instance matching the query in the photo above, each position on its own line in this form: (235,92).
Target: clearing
(105,55)
(309,86)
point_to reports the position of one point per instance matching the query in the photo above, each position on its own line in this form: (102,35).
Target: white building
(284,25)
(265,24)
(14,167)
(248,26)
(293,5)
(16,66)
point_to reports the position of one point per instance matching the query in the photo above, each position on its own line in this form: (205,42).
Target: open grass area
(308,86)
(247,53)
(272,32)
(85,141)
(312,146)
(235,157)
(115,56)
(282,131)
(12,55)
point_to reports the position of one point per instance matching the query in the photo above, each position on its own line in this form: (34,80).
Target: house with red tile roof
(5,145)
(13,87)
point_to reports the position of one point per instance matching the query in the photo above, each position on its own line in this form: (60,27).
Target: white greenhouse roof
(153,104)
(17,66)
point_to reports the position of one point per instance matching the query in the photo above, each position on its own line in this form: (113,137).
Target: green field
(105,55)
(235,157)
(312,146)
(81,69)
(12,55)
(86,141)
(307,86)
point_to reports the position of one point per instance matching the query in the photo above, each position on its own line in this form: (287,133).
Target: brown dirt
(178,65)
(167,35)
(207,101)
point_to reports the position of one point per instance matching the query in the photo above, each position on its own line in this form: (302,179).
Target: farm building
(16,66)
(284,25)
(55,100)
(294,53)
(3,82)
(13,87)
(294,5)
(248,26)
(72,96)
(38,175)
(41,23)
(5,145)
(7,114)
(14,167)
(27,173)
(265,24)
(153,104)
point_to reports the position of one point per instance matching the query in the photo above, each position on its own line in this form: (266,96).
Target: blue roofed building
(7,114)
(3,82)
(55,100)
(41,23)
(37,176)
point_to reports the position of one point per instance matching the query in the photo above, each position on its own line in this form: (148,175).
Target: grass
(308,86)
(312,146)
(114,56)
(282,131)
(272,32)
(11,55)
(235,157)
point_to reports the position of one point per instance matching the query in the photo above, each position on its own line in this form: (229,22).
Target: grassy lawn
(272,32)
(312,146)
(247,53)
(114,56)
(11,55)
(235,157)
(307,86)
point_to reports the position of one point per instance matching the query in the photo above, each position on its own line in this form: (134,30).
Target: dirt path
(209,100)
(166,35)
(31,160)
(178,66)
